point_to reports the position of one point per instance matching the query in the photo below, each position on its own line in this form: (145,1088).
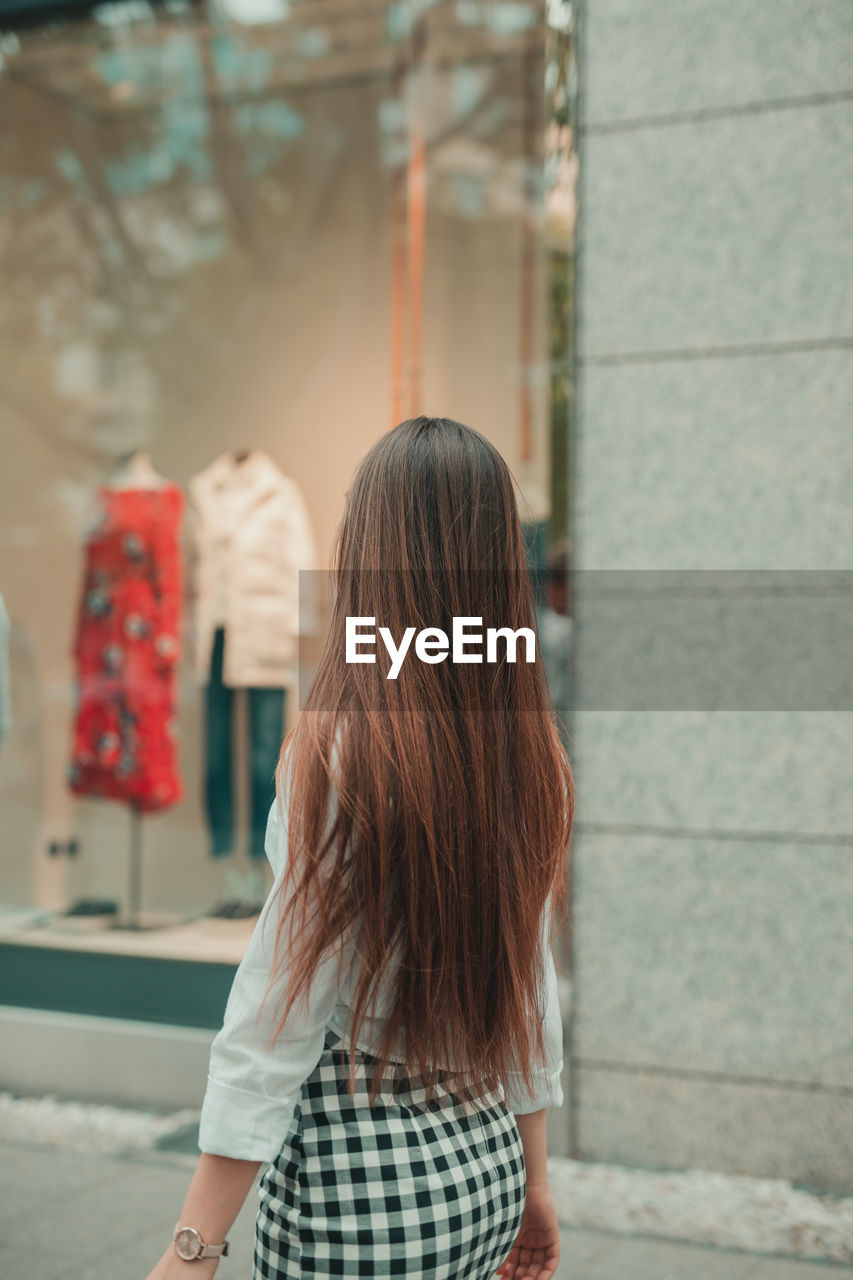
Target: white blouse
(252,1091)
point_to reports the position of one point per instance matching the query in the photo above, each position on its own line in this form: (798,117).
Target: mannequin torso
(136,471)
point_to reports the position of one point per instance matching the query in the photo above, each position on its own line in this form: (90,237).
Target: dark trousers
(266,729)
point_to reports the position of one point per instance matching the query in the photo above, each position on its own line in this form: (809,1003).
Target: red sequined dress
(126,647)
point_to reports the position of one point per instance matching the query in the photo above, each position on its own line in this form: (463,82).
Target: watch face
(188,1244)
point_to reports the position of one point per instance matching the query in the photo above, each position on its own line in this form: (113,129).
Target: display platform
(178,973)
(167,938)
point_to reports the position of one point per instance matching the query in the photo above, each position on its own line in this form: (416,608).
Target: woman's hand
(219,1187)
(536,1251)
(171,1267)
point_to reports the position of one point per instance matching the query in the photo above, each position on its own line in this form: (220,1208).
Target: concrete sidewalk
(65,1216)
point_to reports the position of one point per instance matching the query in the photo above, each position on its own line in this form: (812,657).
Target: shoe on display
(93,907)
(245,910)
(222,910)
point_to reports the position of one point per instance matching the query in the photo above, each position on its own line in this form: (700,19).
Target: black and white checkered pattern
(398,1189)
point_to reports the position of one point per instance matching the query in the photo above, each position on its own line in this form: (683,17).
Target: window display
(240,244)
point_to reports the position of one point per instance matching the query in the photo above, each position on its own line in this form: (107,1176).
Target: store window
(240,240)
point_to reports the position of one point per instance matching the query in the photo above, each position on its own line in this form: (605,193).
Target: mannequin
(136,471)
(126,648)
(251,536)
(241,894)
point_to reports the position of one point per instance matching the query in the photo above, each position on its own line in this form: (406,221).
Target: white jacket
(252,1091)
(249,535)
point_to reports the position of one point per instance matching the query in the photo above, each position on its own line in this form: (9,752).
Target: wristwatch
(190,1246)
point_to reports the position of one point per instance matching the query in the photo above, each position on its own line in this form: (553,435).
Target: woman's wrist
(177,1268)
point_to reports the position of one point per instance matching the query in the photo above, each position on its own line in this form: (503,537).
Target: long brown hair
(431,813)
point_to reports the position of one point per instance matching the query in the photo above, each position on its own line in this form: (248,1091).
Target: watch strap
(215,1250)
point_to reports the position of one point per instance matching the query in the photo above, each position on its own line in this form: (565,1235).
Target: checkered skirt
(397,1189)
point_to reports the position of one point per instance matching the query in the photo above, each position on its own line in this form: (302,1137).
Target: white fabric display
(249,537)
(223,534)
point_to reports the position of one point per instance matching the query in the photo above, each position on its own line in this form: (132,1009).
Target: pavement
(71,1216)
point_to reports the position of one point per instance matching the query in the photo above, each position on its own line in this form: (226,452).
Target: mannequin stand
(134,893)
(244,894)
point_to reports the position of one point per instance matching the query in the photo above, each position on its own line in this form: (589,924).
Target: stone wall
(713,860)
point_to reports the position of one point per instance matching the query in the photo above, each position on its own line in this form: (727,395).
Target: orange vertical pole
(398,275)
(416,193)
(398,286)
(530,89)
(417,228)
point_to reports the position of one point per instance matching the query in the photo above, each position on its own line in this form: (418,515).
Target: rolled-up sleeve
(546,1077)
(251,1090)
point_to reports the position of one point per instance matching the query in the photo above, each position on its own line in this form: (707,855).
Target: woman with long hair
(392,1036)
